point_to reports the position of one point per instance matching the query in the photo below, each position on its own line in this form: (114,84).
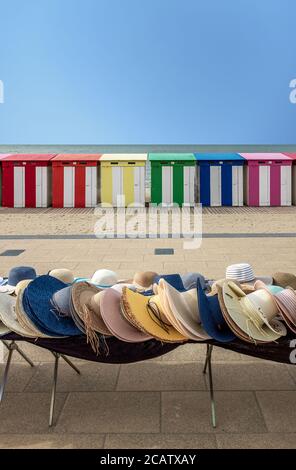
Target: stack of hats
(170,308)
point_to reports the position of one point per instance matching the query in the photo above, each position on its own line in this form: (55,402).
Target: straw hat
(37,303)
(243,273)
(63,274)
(284,280)
(146,312)
(8,316)
(119,287)
(160,292)
(144,279)
(110,305)
(286,302)
(86,301)
(184,307)
(247,313)
(17,274)
(246,288)
(212,318)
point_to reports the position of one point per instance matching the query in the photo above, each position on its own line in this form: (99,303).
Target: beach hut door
(19,186)
(286,185)
(117,186)
(69,186)
(237,185)
(90,186)
(139,182)
(167,184)
(264,185)
(189,180)
(215,184)
(41,186)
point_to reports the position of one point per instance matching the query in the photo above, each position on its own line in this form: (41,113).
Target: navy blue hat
(39,308)
(211,316)
(17,274)
(173,279)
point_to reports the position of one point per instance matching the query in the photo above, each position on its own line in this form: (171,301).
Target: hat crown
(264,302)
(242,272)
(104,278)
(20,273)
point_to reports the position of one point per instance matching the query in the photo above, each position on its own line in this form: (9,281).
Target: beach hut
(220,179)
(75,180)
(26,180)
(123,179)
(172,178)
(293,158)
(2,155)
(268,179)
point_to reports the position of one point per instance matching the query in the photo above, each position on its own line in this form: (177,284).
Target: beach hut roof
(171,156)
(264,156)
(217,156)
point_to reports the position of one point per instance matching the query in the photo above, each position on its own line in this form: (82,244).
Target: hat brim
(117,324)
(159,291)
(7,289)
(261,285)
(232,295)
(23,319)
(136,307)
(8,316)
(81,295)
(4,330)
(184,307)
(210,311)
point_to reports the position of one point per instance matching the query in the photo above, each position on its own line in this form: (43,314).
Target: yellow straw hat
(146,313)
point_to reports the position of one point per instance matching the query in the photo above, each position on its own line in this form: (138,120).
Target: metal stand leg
(12,346)
(54,384)
(15,347)
(208,365)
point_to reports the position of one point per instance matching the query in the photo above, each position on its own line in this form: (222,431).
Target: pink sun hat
(115,321)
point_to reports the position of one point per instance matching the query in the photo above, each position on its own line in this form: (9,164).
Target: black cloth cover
(120,352)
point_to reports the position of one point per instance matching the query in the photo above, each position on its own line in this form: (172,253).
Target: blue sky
(147,71)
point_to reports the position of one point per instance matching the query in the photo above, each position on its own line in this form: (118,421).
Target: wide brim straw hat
(164,306)
(211,316)
(146,313)
(286,302)
(21,315)
(232,325)
(216,286)
(86,302)
(184,307)
(284,280)
(243,273)
(174,280)
(37,302)
(121,328)
(8,316)
(242,312)
(63,274)
(266,307)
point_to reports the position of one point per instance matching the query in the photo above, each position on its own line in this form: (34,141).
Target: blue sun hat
(40,309)
(211,316)
(173,279)
(190,279)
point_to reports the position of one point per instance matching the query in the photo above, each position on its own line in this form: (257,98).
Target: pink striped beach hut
(2,155)
(267,179)
(293,157)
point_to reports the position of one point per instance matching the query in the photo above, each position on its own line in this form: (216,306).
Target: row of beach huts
(85,180)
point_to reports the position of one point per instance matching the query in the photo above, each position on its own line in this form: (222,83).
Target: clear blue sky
(147,71)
